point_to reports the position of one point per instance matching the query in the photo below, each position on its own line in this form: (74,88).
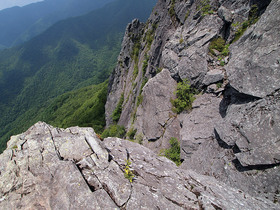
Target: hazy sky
(10,3)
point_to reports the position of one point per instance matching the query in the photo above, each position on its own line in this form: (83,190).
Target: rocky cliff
(52,168)
(229,51)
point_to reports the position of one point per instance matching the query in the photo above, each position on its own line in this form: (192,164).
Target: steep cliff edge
(52,168)
(228,50)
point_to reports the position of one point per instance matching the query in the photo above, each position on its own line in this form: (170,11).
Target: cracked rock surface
(162,123)
(52,168)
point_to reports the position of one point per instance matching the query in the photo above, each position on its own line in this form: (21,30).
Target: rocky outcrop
(254,66)
(119,82)
(52,168)
(176,38)
(242,148)
(185,55)
(232,132)
(250,107)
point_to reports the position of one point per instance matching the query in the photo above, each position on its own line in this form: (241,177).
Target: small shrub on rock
(217,44)
(173,153)
(184,97)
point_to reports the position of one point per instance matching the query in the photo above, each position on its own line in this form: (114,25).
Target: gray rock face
(251,107)
(225,14)
(213,76)
(254,66)
(254,130)
(185,55)
(51,168)
(129,80)
(117,82)
(39,170)
(234,138)
(237,149)
(162,120)
(198,126)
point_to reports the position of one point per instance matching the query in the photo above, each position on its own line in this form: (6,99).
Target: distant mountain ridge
(19,24)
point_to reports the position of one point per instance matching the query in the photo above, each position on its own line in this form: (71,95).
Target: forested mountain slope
(70,55)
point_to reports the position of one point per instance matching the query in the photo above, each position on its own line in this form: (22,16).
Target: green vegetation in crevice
(158,70)
(150,35)
(184,97)
(114,131)
(135,55)
(173,153)
(140,96)
(118,110)
(134,115)
(181,40)
(131,133)
(134,84)
(136,50)
(127,98)
(171,10)
(219,84)
(242,27)
(145,64)
(187,15)
(217,44)
(205,7)
(139,100)
(144,81)
(135,71)
(139,138)
(220,45)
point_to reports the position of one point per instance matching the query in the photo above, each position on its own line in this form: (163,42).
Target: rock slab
(52,168)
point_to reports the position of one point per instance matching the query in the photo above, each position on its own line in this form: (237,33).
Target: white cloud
(11,3)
